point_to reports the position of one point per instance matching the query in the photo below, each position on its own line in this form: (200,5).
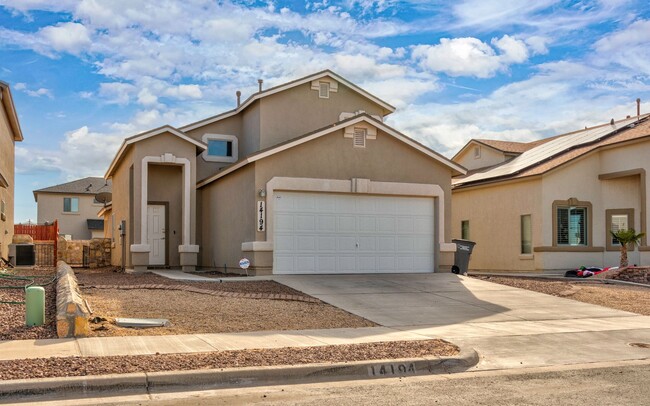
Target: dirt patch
(190,312)
(12,316)
(81,366)
(628,298)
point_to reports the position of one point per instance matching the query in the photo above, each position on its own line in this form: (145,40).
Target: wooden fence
(45,237)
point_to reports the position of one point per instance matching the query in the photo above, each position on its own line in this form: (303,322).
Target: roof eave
(10,108)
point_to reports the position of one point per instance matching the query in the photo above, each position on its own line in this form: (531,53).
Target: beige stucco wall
(229,203)
(122,189)
(489,157)
(494,210)
(50,208)
(299,110)
(7,170)
(494,215)
(227,218)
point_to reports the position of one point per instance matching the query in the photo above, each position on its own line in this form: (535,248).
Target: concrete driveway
(509,327)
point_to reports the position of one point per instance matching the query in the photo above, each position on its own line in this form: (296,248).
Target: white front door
(351,233)
(156,233)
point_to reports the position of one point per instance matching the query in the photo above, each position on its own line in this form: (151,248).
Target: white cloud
(34,93)
(470,56)
(20,86)
(184,92)
(117,92)
(66,37)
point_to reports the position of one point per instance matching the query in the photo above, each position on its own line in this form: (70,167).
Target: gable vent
(359,138)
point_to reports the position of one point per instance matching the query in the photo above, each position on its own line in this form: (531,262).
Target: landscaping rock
(71,311)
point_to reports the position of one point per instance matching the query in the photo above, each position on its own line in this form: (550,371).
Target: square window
(70,204)
(324,90)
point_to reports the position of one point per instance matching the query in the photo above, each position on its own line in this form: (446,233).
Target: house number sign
(261,216)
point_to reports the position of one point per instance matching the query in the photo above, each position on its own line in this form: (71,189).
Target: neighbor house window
(70,204)
(526,235)
(324,90)
(617,220)
(572,226)
(221,148)
(477,152)
(3,216)
(464,229)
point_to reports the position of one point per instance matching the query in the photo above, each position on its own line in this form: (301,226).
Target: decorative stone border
(193,289)
(71,311)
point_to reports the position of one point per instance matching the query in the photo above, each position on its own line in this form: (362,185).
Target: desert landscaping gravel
(628,298)
(12,316)
(82,366)
(191,313)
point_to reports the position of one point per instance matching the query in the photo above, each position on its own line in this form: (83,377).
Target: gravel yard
(78,366)
(12,316)
(628,298)
(190,312)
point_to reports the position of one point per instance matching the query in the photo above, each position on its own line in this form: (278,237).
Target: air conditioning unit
(22,254)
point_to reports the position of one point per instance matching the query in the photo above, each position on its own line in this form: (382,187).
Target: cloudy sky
(87,73)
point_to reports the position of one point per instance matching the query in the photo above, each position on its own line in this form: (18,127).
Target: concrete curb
(244,377)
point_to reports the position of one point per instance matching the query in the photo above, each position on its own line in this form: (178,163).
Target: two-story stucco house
(304,177)
(10,133)
(551,204)
(74,205)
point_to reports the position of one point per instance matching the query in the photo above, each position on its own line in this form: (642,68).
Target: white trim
(257,246)
(220,137)
(166,159)
(350,123)
(192,249)
(284,87)
(144,136)
(140,247)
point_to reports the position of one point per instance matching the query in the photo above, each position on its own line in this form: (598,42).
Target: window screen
(70,204)
(464,229)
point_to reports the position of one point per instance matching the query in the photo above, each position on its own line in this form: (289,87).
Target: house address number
(392,369)
(261,216)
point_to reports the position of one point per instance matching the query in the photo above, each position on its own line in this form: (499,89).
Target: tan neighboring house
(304,177)
(550,204)
(10,133)
(73,204)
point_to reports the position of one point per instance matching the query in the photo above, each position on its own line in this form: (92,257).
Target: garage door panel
(338,233)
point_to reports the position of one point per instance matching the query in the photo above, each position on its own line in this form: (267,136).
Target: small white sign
(244,263)
(261,215)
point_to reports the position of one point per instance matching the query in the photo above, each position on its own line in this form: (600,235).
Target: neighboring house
(10,133)
(550,204)
(73,204)
(300,178)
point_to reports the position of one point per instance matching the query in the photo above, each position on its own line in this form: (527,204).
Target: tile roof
(90,185)
(559,150)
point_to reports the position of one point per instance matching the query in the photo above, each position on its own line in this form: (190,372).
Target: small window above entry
(221,148)
(324,90)
(477,152)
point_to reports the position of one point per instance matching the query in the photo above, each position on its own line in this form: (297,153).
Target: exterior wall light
(261,193)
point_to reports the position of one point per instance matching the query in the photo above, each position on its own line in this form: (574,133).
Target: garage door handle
(357,245)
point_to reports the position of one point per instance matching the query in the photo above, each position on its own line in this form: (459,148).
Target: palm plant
(625,238)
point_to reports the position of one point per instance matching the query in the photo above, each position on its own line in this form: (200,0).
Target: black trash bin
(461,256)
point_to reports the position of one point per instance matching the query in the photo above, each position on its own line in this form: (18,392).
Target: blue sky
(87,73)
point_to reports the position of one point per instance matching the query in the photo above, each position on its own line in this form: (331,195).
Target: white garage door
(339,233)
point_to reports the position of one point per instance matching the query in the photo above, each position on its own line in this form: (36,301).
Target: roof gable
(148,134)
(89,185)
(277,89)
(341,125)
(557,151)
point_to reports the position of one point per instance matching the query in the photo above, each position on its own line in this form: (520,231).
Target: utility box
(34,306)
(464,249)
